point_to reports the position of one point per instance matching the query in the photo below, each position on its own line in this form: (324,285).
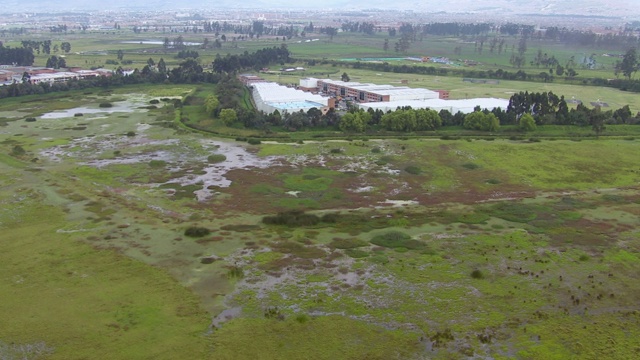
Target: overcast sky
(626,8)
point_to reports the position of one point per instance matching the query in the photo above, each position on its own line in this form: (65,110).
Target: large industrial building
(269,97)
(367,92)
(390,98)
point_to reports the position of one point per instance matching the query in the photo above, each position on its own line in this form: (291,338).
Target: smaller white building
(453,106)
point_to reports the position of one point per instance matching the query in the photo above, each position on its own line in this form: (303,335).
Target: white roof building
(269,96)
(465,105)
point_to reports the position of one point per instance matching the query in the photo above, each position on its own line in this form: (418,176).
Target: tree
(478,120)
(596,118)
(629,64)
(345,77)
(356,121)
(162,67)
(385,46)
(228,116)
(331,31)
(427,119)
(26,77)
(211,104)
(66,47)
(120,55)
(52,62)
(527,123)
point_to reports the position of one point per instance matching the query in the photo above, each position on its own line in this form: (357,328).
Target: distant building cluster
(10,74)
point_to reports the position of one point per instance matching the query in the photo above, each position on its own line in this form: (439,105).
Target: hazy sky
(629,8)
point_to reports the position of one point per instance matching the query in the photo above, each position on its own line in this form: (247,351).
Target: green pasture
(93,48)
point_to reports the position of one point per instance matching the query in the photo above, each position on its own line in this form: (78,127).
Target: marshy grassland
(124,235)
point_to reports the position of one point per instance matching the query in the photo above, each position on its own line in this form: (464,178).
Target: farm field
(93,48)
(125,234)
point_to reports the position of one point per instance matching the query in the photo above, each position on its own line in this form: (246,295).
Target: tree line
(18,56)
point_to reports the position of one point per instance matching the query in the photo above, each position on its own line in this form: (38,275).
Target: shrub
(30,119)
(254,141)
(477,274)
(339,243)
(78,114)
(157,163)
(105,105)
(131,133)
(356,253)
(396,239)
(330,218)
(235,272)
(241,139)
(292,218)
(470,166)
(216,158)
(414,170)
(336,151)
(196,231)
(515,212)
(376,150)
(18,150)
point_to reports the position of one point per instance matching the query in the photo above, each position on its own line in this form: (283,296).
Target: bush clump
(414,170)
(292,218)
(339,243)
(157,163)
(470,166)
(356,253)
(477,274)
(105,105)
(396,239)
(216,158)
(197,231)
(154,101)
(254,141)
(30,119)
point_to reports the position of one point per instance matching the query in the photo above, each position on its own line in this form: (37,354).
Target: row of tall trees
(257,60)
(46,46)
(18,56)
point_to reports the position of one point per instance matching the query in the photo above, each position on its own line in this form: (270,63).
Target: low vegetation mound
(396,239)
(351,243)
(216,158)
(196,231)
(292,218)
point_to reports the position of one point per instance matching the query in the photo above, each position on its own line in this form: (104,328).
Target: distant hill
(623,8)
